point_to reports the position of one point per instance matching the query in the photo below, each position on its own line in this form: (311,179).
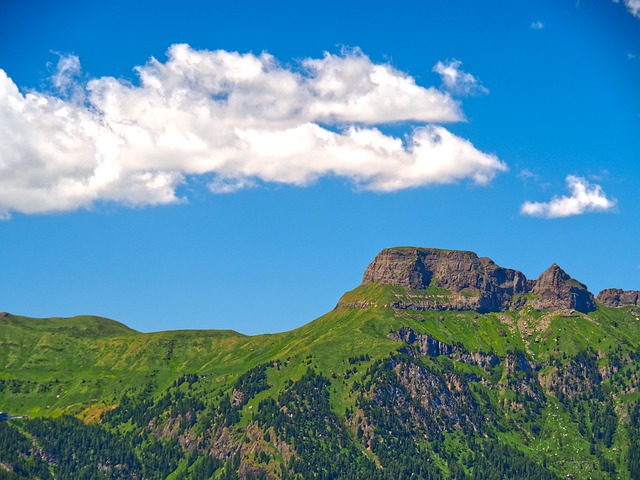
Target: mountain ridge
(389,384)
(478,283)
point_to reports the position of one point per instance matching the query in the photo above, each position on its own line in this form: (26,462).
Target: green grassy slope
(51,365)
(54,365)
(577,372)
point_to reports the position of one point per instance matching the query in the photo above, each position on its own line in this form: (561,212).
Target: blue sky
(238,164)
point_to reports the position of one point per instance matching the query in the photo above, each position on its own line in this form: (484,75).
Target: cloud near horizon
(237,118)
(584,197)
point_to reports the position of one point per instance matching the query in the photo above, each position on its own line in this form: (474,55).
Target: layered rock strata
(460,280)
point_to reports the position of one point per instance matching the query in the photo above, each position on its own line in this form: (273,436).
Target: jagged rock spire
(556,290)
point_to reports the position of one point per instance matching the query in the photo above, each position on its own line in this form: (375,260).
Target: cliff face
(555,290)
(475,283)
(616,297)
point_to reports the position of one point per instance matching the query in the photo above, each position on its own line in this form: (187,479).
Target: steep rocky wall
(475,283)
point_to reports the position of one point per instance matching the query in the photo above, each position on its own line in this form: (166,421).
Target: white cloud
(632,5)
(241,118)
(230,185)
(585,197)
(537,25)
(526,174)
(457,81)
(67,69)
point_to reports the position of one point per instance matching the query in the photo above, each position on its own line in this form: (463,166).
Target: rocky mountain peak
(556,290)
(552,277)
(474,283)
(456,270)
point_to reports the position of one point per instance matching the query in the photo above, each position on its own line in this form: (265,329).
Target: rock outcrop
(426,345)
(616,297)
(480,284)
(460,280)
(555,290)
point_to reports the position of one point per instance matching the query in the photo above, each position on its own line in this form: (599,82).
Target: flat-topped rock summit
(616,297)
(460,280)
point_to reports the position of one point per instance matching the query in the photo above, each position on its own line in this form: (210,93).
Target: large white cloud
(237,118)
(584,197)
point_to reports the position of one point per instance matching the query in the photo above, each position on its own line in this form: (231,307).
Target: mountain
(459,280)
(440,364)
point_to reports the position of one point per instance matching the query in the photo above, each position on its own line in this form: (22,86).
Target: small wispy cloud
(632,5)
(537,25)
(457,81)
(525,174)
(222,185)
(584,197)
(65,75)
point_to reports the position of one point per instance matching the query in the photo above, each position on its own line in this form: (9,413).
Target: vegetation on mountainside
(516,394)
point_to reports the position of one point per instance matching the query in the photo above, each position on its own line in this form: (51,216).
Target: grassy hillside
(556,390)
